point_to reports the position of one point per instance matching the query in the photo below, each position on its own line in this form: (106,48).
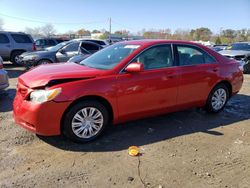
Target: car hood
(234,52)
(39,53)
(42,75)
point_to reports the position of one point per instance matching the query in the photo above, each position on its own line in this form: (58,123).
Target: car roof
(246,42)
(89,39)
(148,42)
(13,32)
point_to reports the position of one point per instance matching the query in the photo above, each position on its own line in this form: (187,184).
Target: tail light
(1,66)
(34,47)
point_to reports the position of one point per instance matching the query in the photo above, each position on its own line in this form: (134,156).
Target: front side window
(72,47)
(156,57)
(4,39)
(109,57)
(40,42)
(192,56)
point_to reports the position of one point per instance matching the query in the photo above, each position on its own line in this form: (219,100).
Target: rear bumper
(42,119)
(4,80)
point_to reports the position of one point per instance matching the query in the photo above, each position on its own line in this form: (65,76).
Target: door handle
(7,45)
(215,69)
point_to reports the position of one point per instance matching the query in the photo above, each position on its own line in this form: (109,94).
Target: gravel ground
(183,149)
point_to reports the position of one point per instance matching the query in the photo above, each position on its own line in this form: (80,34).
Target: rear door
(22,41)
(5,47)
(199,72)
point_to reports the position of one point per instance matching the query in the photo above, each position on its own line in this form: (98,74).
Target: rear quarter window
(19,38)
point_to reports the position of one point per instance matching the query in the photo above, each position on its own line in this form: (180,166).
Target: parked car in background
(240,51)
(62,52)
(13,44)
(125,81)
(219,47)
(43,43)
(103,43)
(4,83)
(87,49)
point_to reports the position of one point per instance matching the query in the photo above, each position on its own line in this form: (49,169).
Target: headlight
(40,96)
(30,57)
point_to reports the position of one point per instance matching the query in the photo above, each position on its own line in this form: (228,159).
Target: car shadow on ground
(151,130)
(6,99)
(13,71)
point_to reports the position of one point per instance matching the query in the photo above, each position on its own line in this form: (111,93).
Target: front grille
(239,57)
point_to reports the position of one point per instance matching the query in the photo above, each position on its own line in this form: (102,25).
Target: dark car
(62,52)
(43,43)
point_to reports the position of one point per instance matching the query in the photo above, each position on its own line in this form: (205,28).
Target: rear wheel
(217,99)
(246,67)
(14,57)
(85,121)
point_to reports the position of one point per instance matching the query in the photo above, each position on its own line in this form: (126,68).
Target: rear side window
(97,42)
(19,38)
(189,55)
(4,39)
(90,47)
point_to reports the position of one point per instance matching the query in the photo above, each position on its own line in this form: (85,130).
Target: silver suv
(12,44)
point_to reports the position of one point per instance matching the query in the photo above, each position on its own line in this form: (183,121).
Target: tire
(216,104)
(246,68)
(14,56)
(74,127)
(43,62)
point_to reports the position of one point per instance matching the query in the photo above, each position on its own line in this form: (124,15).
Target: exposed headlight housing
(41,96)
(30,57)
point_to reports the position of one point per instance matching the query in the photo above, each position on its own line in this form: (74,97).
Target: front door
(154,90)
(65,53)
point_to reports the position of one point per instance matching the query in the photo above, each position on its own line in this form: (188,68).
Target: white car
(102,43)
(4,83)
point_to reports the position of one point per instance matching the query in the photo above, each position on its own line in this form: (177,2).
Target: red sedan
(126,81)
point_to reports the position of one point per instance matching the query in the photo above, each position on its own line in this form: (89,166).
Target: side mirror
(134,67)
(62,51)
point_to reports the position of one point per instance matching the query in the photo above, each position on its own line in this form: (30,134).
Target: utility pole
(110,29)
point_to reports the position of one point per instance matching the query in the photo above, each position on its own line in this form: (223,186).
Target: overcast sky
(131,15)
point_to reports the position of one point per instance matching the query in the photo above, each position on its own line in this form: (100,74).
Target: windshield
(58,46)
(109,57)
(240,46)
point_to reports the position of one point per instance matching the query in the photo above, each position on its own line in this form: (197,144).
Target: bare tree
(48,30)
(1,24)
(35,32)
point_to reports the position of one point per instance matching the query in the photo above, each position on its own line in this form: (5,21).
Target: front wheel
(217,99)
(85,121)
(246,67)
(43,62)
(15,58)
